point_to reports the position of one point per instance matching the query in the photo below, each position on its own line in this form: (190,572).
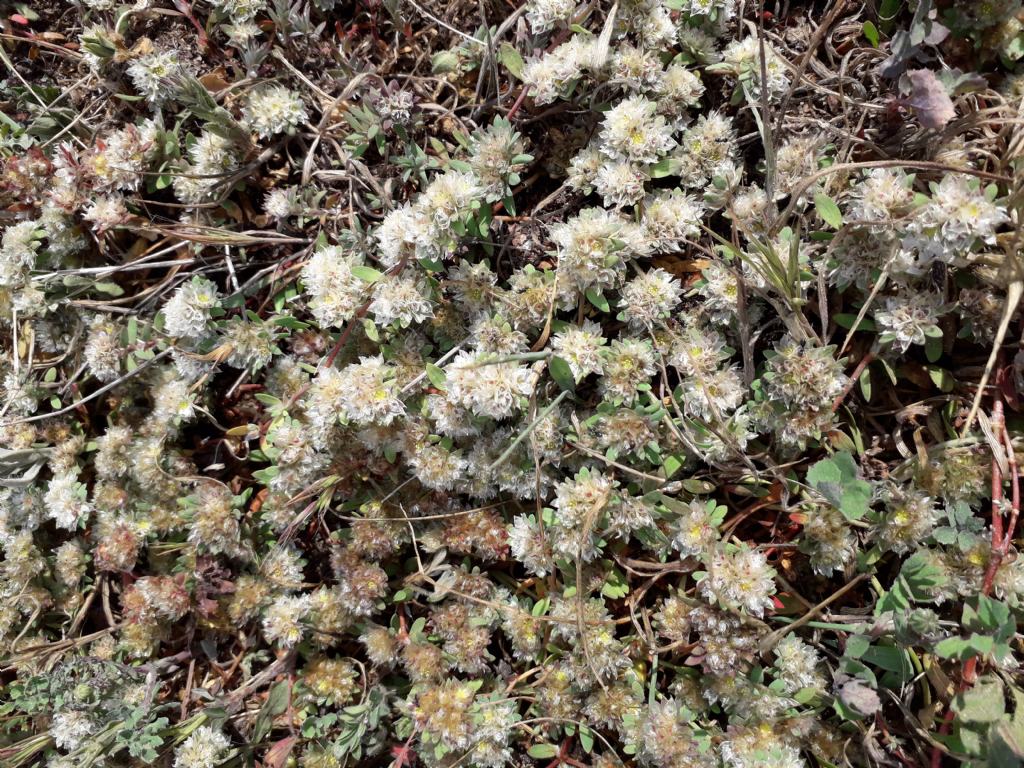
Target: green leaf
(597,298)
(1006,738)
(865,384)
(511,60)
(828,210)
(276,703)
(111,289)
(672,464)
(367,274)
(871,33)
(856,646)
(837,479)
(586,739)
(542,751)
(615,586)
(963,649)
(436,375)
(941,378)
(846,320)
(562,374)
(982,703)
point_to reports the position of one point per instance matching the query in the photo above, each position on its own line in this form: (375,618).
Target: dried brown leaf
(930,100)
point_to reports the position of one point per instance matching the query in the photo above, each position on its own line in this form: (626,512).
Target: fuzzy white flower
(150,74)
(723,10)
(698,351)
(679,87)
(549,75)
(283,620)
(696,529)
(650,297)
(472,285)
(749,206)
(211,153)
(706,149)
(637,69)
(740,579)
(173,402)
(796,665)
(714,394)
(655,27)
(65,500)
(882,195)
(103,349)
(906,320)
(584,167)
(400,233)
(589,248)
(106,212)
(627,364)
(632,130)
(580,347)
(240,10)
(335,293)
(365,393)
(488,389)
(576,501)
(620,183)
(437,467)
(18,252)
(204,748)
(274,109)
(529,546)
(118,162)
(543,15)
(449,418)
(401,298)
(448,199)
(670,218)
(72,728)
(188,312)
(962,213)
(282,202)
(743,58)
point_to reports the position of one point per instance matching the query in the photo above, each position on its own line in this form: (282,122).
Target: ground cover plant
(423,383)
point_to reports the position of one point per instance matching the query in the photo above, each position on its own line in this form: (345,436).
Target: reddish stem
(518,103)
(854,377)
(1000,545)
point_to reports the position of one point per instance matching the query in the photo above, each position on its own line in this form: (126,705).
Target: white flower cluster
(335,292)
(429,227)
(66,500)
(205,747)
(284,620)
(744,59)
(740,578)
(240,10)
(188,312)
(592,248)
(907,319)
(543,15)
(274,109)
(492,389)
(152,73)
(211,159)
(363,393)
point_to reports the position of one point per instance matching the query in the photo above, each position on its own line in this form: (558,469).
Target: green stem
(523,435)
